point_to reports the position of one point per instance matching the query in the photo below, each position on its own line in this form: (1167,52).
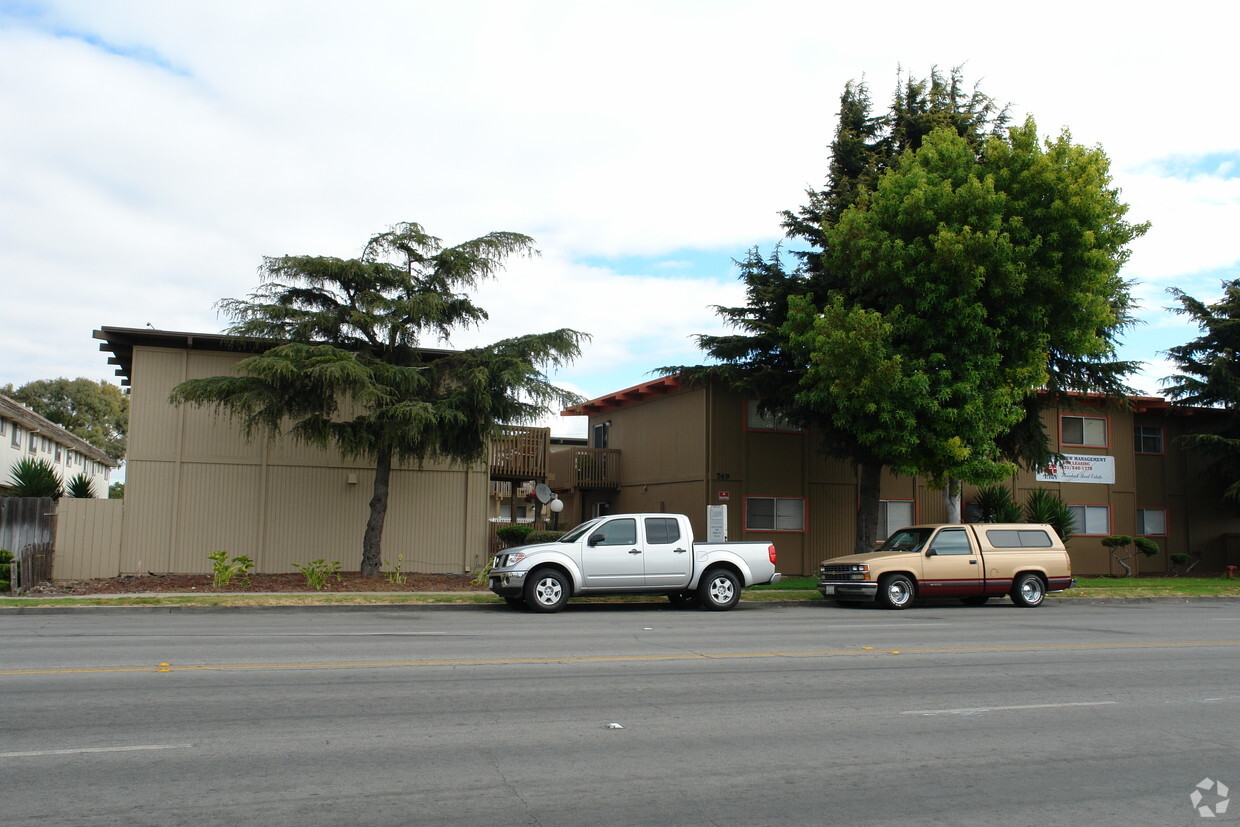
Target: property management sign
(1081,468)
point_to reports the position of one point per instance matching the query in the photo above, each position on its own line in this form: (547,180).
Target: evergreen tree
(1076,344)
(347,367)
(1209,376)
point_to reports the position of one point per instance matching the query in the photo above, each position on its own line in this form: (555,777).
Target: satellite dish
(543,493)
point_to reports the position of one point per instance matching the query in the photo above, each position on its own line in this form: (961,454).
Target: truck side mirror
(595,539)
(931,553)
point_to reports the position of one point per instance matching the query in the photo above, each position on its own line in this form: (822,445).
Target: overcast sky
(151,153)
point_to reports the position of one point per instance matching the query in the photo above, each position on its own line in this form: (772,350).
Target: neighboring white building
(25,434)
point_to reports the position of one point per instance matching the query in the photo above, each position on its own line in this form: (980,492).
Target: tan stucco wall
(195,485)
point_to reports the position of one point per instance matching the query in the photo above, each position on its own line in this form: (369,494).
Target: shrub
(1119,543)
(543,537)
(514,535)
(6,563)
(318,571)
(224,571)
(396,577)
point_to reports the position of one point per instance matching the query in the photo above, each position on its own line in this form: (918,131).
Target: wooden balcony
(586,468)
(519,453)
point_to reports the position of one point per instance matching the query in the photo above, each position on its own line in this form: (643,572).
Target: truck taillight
(770,552)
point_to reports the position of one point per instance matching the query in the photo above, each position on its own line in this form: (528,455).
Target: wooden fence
(28,530)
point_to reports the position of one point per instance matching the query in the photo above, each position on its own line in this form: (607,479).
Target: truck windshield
(572,536)
(907,539)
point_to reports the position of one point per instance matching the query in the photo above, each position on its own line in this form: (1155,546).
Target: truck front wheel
(1028,591)
(546,590)
(896,591)
(719,590)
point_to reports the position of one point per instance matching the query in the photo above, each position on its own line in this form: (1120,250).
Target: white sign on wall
(716,523)
(1081,468)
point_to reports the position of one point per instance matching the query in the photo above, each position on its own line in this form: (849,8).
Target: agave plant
(35,478)
(1045,506)
(80,487)
(997,506)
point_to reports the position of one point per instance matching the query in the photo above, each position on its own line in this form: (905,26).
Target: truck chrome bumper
(848,589)
(507,583)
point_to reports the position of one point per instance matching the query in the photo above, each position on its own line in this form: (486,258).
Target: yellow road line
(356,664)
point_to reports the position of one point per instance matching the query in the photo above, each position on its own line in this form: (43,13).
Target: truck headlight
(512,559)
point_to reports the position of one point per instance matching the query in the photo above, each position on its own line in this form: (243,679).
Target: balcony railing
(586,468)
(519,453)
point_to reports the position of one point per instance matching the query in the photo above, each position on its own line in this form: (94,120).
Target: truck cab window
(662,530)
(616,533)
(951,541)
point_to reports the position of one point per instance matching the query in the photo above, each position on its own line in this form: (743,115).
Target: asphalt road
(809,714)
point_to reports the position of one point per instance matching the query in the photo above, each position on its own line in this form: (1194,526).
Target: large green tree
(347,366)
(959,277)
(761,360)
(97,412)
(756,358)
(1209,376)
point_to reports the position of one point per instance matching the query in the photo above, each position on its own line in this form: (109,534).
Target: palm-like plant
(80,487)
(997,506)
(1045,506)
(35,478)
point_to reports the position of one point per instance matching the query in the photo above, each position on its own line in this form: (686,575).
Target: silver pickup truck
(631,554)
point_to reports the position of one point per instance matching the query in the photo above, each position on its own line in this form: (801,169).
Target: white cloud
(164,148)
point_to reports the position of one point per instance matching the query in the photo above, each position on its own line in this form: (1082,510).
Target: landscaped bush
(514,535)
(543,537)
(6,564)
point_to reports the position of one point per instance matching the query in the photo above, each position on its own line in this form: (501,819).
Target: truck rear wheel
(546,590)
(719,590)
(895,591)
(1028,591)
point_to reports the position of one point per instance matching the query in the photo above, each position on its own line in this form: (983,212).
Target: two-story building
(195,485)
(664,446)
(25,434)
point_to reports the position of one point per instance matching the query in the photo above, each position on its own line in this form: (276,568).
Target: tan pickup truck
(972,562)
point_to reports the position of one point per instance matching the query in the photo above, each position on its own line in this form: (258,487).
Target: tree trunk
(871,474)
(951,500)
(372,541)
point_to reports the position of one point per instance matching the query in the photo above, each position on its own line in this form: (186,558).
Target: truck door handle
(972,562)
(635,551)
(678,550)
